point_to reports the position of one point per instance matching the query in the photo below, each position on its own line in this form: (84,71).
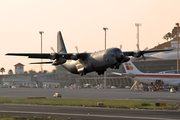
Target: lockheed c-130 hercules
(83,63)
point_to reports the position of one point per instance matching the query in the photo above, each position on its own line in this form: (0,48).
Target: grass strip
(7,117)
(128,104)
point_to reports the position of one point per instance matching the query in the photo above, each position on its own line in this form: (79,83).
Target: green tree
(32,72)
(25,72)
(45,71)
(54,71)
(10,72)
(2,70)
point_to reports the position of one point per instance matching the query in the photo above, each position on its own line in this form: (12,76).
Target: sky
(81,23)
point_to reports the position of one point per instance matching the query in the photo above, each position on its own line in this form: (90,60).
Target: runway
(107,94)
(89,113)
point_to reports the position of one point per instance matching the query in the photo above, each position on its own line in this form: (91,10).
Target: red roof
(19,64)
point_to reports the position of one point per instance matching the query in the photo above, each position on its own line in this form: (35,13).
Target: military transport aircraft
(149,78)
(82,63)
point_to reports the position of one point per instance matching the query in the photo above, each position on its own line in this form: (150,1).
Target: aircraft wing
(32,55)
(132,53)
(68,56)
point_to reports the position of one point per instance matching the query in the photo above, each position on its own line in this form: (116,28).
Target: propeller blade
(53,49)
(120,46)
(115,73)
(143,57)
(137,47)
(145,49)
(76,49)
(41,63)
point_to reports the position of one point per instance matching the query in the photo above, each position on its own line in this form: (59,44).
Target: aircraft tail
(60,43)
(130,68)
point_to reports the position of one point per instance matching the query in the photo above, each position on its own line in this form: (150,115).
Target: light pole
(105,48)
(177,24)
(105,35)
(137,25)
(41,32)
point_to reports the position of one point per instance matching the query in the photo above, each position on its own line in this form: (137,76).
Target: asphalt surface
(88,113)
(107,94)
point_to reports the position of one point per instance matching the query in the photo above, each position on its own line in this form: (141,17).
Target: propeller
(140,53)
(54,54)
(76,56)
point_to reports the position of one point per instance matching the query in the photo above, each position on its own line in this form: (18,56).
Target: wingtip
(7,54)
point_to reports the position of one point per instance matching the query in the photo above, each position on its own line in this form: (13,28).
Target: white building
(19,68)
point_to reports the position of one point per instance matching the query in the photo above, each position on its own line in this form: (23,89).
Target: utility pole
(105,48)
(137,25)
(41,32)
(177,24)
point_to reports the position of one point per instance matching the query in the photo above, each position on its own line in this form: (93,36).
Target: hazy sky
(81,23)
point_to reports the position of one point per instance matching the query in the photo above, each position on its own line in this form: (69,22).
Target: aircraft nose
(119,58)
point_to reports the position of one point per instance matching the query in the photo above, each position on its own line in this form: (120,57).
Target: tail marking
(128,66)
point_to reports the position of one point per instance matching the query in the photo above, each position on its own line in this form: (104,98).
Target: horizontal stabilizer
(115,73)
(41,63)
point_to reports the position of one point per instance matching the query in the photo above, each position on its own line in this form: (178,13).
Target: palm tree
(2,70)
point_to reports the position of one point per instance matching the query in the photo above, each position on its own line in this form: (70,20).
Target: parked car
(113,87)
(57,95)
(127,87)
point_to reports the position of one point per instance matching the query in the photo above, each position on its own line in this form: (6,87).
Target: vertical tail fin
(60,43)
(130,68)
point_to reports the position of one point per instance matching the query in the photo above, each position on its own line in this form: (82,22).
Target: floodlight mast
(105,48)
(137,25)
(41,32)
(105,35)
(177,24)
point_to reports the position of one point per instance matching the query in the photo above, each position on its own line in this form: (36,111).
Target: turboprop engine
(59,61)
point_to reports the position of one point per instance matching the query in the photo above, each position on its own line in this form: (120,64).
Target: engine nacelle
(74,56)
(59,61)
(80,68)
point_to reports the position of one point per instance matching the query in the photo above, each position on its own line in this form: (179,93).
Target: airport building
(19,68)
